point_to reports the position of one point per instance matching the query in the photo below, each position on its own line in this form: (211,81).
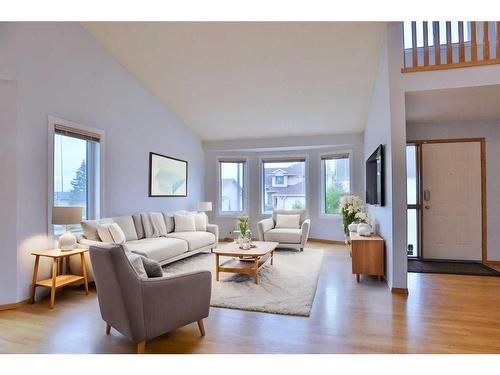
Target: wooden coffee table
(257,257)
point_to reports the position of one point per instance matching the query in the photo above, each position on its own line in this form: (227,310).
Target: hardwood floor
(443,314)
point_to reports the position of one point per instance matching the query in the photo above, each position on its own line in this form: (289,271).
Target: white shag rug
(288,287)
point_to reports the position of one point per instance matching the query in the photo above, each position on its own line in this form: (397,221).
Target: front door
(451,214)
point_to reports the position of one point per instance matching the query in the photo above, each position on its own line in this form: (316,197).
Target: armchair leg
(108,329)
(201,327)
(141,346)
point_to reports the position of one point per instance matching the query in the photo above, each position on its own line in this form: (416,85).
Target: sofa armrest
(171,302)
(306,226)
(264,226)
(83,242)
(214,229)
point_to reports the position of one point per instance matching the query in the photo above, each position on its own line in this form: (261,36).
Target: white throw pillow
(104,233)
(184,223)
(200,222)
(288,221)
(117,233)
(89,228)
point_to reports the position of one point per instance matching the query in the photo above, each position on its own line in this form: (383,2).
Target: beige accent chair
(295,238)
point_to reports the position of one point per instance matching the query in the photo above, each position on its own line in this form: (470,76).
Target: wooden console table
(368,255)
(58,279)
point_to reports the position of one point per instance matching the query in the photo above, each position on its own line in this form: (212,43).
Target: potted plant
(244,232)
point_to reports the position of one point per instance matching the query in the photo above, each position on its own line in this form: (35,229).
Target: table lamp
(204,206)
(66,215)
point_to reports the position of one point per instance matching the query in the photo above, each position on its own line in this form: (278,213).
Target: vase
(353,227)
(364,229)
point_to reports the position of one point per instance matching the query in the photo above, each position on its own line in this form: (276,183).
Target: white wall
(8,192)
(378,131)
(490,130)
(311,148)
(60,70)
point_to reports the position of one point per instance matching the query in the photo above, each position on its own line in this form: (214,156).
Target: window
(283,185)
(336,181)
(76,166)
(412,200)
(279,181)
(232,187)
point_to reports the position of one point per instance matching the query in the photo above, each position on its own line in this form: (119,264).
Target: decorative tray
(251,247)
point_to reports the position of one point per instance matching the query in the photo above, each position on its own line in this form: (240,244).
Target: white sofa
(295,238)
(175,246)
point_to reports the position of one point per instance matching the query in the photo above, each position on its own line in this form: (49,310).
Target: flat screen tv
(375,177)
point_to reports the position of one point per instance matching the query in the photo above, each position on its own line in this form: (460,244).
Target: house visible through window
(336,181)
(232,187)
(283,185)
(76,172)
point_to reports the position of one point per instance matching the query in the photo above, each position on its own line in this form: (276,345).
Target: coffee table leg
(256,270)
(272,257)
(217,267)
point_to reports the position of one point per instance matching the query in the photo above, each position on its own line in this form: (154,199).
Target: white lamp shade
(65,215)
(204,206)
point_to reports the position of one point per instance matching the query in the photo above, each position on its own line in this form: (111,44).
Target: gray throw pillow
(138,226)
(152,267)
(137,264)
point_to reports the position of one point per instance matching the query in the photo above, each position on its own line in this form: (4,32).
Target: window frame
(282,159)
(96,210)
(232,159)
(322,187)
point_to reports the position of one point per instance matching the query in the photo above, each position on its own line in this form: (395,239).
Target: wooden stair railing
(461,54)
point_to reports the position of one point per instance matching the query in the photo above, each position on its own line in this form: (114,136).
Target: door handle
(427,207)
(427,195)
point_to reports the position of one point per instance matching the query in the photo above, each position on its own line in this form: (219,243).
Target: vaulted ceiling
(229,80)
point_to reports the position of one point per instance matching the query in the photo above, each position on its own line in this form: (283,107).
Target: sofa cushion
(200,222)
(184,223)
(116,233)
(158,249)
(288,221)
(283,235)
(148,227)
(126,223)
(169,221)
(89,228)
(195,240)
(158,224)
(104,233)
(302,212)
(139,229)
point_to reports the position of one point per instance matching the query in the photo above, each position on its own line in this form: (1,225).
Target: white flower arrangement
(353,210)
(362,217)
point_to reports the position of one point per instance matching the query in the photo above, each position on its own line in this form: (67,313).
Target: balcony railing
(448,45)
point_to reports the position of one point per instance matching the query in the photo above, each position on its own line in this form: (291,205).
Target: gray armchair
(295,238)
(142,309)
